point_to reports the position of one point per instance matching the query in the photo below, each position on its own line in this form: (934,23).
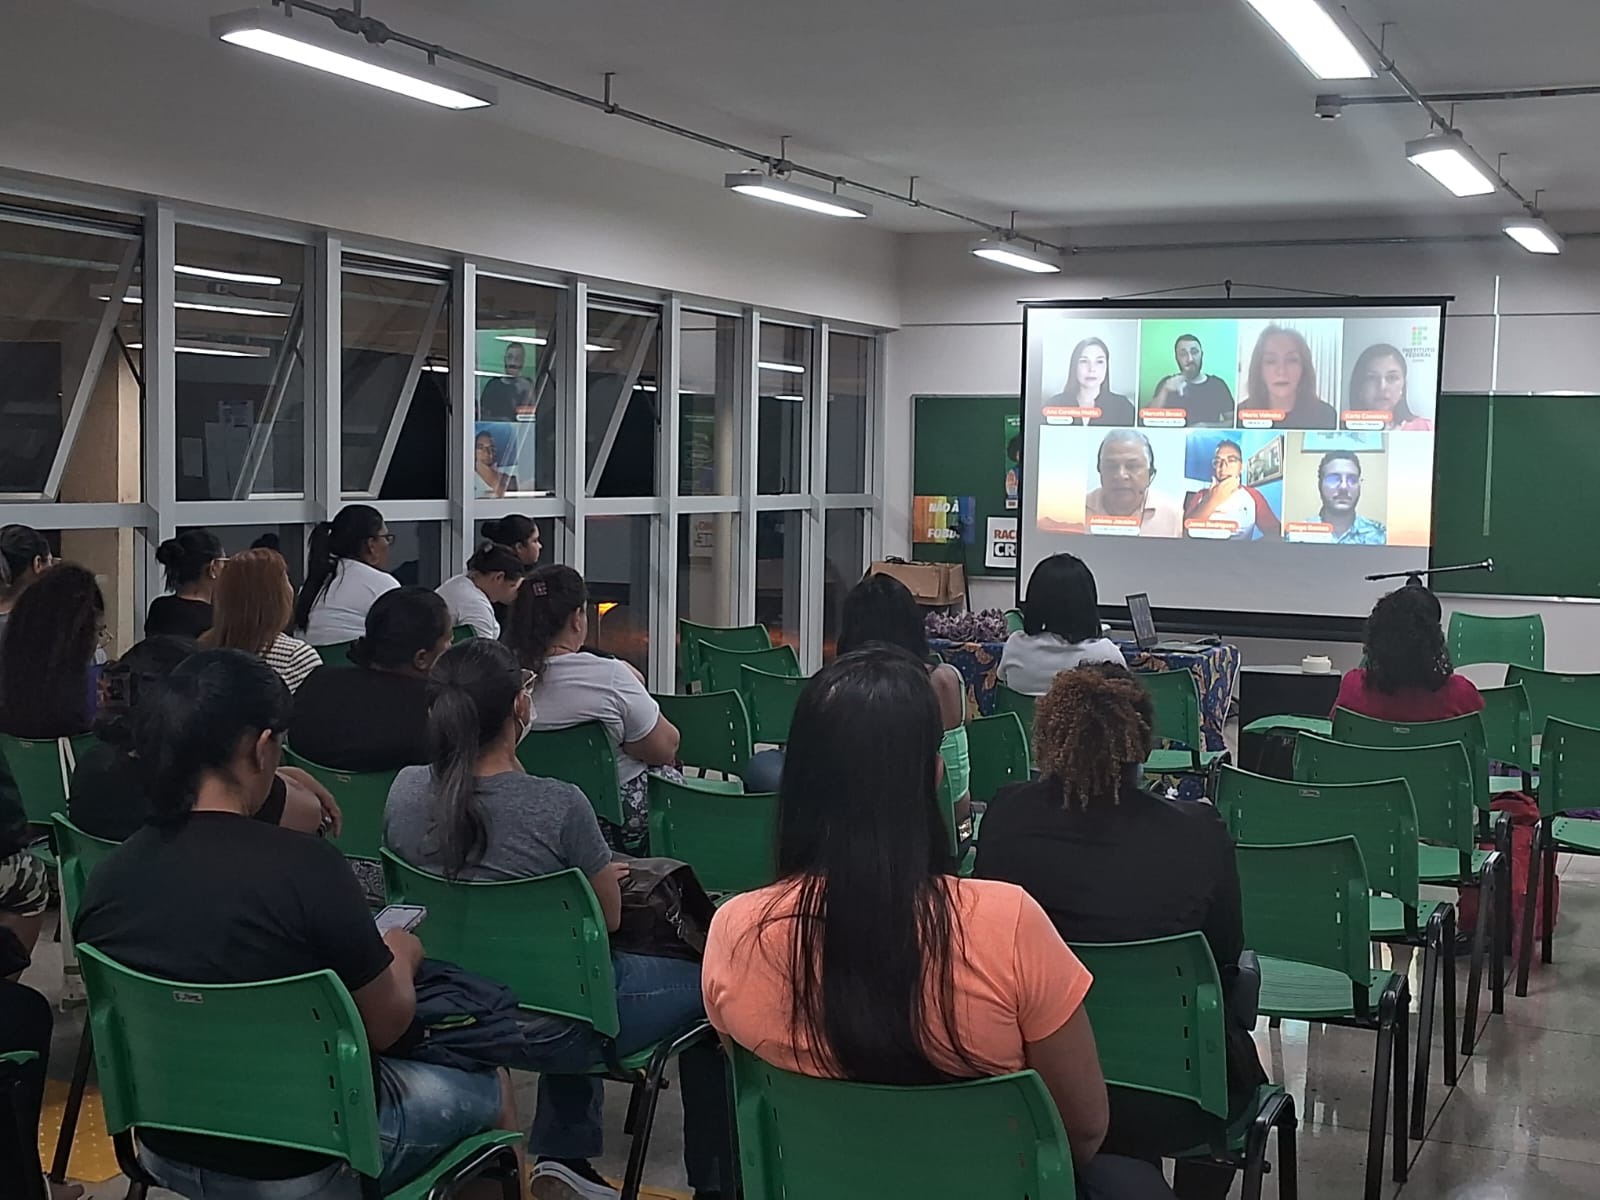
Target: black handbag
(665,911)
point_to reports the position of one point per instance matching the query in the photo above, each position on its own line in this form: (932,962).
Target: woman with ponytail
(346,570)
(1110,862)
(549,623)
(518,533)
(491,580)
(192,560)
(474,813)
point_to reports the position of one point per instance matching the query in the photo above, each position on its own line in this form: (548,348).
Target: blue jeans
(423,1111)
(656,998)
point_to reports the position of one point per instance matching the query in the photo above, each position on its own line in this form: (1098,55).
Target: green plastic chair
(730,839)
(1508,736)
(1261,811)
(283,1063)
(1013,618)
(545,939)
(1569,767)
(721,666)
(335,654)
(1007,700)
(1361,730)
(1440,778)
(1562,694)
(771,700)
(1176,697)
(42,772)
(998,749)
(1159,1016)
(583,756)
(714,728)
(1517,641)
(361,796)
(801,1136)
(692,636)
(462,633)
(1306,917)
(1290,723)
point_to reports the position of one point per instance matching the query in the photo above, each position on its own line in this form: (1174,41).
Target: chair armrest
(1242,991)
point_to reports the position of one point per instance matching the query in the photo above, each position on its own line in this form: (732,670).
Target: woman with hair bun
(193,560)
(346,570)
(520,533)
(492,577)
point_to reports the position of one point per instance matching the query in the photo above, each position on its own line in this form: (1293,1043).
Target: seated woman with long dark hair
(1109,862)
(867,960)
(48,675)
(1408,675)
(474,813)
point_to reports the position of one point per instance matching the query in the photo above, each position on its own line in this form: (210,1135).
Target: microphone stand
(1414,578)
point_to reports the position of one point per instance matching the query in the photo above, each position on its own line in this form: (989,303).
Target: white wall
(97,98)
(961,333)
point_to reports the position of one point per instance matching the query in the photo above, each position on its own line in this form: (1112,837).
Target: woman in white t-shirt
(1060,627)
(493,575)
(547,629)
(345,572)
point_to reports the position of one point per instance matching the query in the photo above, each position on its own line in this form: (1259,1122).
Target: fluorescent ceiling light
(1534,234)
(799,398)
(594,348)
(307,42)
(230,276)
(786,368)
(1452,162)
(215,349)
(781,191)
(1315,37)
(521,339)
(205,302)
(1015,254)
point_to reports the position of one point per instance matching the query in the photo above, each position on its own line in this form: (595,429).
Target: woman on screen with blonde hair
(1283,378)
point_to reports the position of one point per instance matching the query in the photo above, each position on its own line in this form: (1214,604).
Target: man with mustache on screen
(1339,484)
(1127,465)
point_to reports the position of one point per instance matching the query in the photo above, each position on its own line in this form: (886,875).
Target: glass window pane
(55,286)
(844,542)
(617,572)
(783,374)
(239,366)
(706,544)
(395,417)
(415,556)
(780,559)
(849,382)
(515,380)
(287,540)
(624,413)
(708,426)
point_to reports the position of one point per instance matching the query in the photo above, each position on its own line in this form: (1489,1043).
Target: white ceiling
(1074,112)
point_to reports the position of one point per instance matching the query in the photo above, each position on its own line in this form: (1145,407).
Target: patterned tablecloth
(1215,670)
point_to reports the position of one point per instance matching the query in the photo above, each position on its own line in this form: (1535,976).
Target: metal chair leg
(1429,999)
(1490,875)
(1529,897)
(1402,1022)
(1469,1025)
(69,1118)
(1548,898)
(1379,1121)
(1288,1153)
(1448,949)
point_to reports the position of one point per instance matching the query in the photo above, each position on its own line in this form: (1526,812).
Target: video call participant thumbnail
(1282,378)
(1229,500)
(1378,384)
(1339,484)
(1205,399)
(1089,387)
(510,396)
(1127,465)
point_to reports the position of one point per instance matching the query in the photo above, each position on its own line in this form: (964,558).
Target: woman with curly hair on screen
(1408,675)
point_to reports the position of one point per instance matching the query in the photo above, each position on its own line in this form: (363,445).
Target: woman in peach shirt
(816,974)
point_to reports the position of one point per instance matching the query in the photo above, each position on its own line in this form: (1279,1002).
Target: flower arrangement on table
(988,625)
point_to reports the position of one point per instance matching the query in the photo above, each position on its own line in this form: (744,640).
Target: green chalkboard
(1514,480)
(959,449)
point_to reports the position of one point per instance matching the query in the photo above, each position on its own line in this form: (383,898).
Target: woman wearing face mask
(1283,378)
(1378,384)
(1089,386)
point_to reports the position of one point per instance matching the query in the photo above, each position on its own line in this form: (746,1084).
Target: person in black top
(193,561)
(206,894)
(373,714)
(1109,862)
(1205,399)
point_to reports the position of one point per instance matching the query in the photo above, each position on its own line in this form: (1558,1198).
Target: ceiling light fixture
(229,276)
(1011,253)
(781,191)
(795,398)
(1533,234)
(786,368)
(1447,157)
(1315,37)
(336,53)
(521,339)
(203,302)
(215,349)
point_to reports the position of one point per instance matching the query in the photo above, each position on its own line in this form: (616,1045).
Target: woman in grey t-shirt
(1060,628)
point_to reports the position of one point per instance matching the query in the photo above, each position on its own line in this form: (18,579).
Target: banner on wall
(1001,546)
(1013,431)
(942,520)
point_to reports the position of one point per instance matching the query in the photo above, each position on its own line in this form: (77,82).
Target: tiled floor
(1523,1124)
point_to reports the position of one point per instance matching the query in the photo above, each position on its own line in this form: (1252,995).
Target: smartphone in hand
(400,916)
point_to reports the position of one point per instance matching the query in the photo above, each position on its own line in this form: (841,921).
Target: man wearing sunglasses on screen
(1339,483)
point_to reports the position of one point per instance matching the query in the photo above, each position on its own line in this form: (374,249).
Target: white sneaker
(551,1180)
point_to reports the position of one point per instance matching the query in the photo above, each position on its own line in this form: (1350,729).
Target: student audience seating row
(714,728)
(360,795)
(691,637)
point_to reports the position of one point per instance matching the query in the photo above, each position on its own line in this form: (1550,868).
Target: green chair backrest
(462,633)
(721,665)
(281,1063)
(1157,1011)
(1381,817)
(771,700)
(361,796)
(79,854)
(1518,640)
(583,756)
(38,766)
(335,654)
(1569,764)
(998,749)
(1440,778)
(1361,730)
(691,637)
(1571,697)
(1508,725)
(1309,903)
(714,728)
(544,937)
(729,838)
(1176,697)
(1006,700)
(1013,618)
(801,1136)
